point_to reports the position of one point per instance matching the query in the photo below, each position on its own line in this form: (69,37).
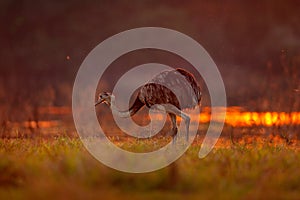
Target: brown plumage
(161,87)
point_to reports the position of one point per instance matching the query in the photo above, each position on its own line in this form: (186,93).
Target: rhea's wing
(153,93)
(191,79)
(170,87)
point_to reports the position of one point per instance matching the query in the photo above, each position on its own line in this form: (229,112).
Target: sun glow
(236,117)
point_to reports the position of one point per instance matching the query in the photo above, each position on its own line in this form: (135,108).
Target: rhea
(169,91)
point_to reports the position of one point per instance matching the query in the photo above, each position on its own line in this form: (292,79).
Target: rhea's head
(104,97)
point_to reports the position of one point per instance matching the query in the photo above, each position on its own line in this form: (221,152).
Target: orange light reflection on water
(237,117)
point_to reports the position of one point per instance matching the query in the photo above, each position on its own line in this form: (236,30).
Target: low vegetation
(61,168)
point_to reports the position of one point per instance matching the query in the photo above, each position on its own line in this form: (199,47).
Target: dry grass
(61,168)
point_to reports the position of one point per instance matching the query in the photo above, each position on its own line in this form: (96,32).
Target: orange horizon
(235,116)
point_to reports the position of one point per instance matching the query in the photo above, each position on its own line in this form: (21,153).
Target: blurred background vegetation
(255,45)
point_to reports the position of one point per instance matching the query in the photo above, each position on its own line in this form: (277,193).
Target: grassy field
(61,168)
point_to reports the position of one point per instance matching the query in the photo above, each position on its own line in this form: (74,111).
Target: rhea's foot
(172,132)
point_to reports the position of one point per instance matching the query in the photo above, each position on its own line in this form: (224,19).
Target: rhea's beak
(100,100)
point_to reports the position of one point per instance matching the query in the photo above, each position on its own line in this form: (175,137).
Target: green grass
(61,168)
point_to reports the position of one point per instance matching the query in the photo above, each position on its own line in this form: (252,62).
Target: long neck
(115,110)
(132,110)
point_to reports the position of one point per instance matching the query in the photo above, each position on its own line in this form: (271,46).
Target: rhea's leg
(174,127)
(183,115)
(187,124)
(174,110)
(150,131)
